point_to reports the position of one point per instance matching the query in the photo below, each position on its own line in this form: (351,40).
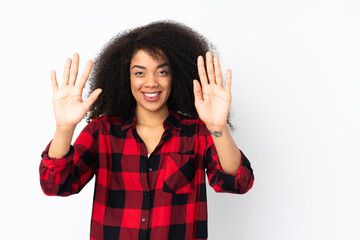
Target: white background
(295,105)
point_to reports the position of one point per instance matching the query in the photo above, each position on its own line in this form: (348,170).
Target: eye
(163,72)
(139,73)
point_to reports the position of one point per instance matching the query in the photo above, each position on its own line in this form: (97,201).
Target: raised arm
(65,169)
(212,102)
(69,108)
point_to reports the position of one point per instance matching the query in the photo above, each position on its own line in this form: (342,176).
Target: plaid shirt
(162,196)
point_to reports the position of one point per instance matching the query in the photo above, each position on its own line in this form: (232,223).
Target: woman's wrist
(217,131)
(65,128)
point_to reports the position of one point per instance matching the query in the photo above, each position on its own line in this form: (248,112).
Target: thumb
(197,91)
(91,99)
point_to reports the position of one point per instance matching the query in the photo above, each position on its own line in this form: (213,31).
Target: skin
(149,75)
(69,108)
(212,102)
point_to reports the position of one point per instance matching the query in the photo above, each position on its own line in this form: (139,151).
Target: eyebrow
(142,67)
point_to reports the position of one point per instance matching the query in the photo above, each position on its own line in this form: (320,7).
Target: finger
(210,67)
(84,77)
(228,80)
(74,69)
(197,92)
(91,99)
(54,83)
(218,75)
(66,74)
(201,71)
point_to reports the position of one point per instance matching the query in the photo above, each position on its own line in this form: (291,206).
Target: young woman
(158,121)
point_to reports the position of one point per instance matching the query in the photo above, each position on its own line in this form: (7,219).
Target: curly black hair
(111,71)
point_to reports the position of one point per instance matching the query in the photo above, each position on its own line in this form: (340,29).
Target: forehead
(145,56)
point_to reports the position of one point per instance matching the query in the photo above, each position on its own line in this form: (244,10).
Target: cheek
(133,87)
(168,89)
(135,84)
(168,84)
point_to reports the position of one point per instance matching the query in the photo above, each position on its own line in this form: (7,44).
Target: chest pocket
(179,173)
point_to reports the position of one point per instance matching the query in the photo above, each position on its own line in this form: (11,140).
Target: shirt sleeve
(221,181)
(69,174)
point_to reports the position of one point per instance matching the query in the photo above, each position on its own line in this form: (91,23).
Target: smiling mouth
(151,94)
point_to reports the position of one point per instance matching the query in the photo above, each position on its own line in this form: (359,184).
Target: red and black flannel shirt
(161,196)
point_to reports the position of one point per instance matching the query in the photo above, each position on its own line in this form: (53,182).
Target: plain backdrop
(295,107)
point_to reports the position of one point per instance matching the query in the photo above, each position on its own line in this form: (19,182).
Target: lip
(151,99)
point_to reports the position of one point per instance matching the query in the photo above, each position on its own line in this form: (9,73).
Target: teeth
(152,94)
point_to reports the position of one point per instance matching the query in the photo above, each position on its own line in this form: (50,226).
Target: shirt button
(52,170)
(150,169)
(142,219)
(145,194)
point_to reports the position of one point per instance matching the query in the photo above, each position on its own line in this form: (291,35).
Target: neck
(149,118)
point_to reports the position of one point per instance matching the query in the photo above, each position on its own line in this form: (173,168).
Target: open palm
(212,100)
(69,108)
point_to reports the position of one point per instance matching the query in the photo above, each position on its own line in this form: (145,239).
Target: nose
(151,81)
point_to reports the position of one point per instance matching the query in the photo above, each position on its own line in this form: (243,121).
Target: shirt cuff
(244,178)
(239,169)
(55,163)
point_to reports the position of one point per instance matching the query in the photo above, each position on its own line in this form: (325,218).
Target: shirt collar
(172,121)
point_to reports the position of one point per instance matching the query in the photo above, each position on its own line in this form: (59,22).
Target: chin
(154,109)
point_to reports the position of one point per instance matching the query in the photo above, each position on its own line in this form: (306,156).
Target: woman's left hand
(212,100)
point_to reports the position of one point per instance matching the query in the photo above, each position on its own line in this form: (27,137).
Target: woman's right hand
(69,108)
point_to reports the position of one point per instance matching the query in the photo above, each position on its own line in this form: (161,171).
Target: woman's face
(150,81)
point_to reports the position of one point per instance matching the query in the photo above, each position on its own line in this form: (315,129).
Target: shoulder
(107,120)
(104,122)
(195,125)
